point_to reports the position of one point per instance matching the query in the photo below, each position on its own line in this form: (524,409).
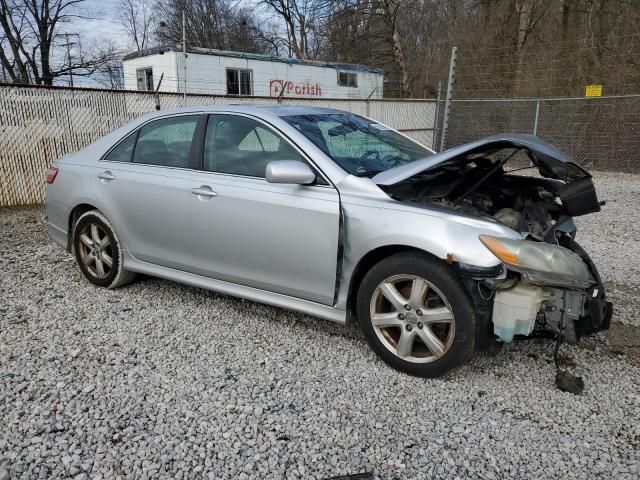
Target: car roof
(277,110)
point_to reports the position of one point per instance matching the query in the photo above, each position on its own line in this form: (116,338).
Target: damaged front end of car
(546,288)
(545,283)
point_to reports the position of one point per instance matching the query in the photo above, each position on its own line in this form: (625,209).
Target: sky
(102,26)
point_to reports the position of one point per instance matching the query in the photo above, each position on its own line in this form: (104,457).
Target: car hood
(550,161)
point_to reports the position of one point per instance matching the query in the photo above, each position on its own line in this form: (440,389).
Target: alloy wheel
(412,318)
(96,251)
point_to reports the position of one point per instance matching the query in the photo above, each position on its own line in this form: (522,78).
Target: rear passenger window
(166,142)
(122,152)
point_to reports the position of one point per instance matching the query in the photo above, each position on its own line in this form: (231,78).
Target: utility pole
(184,53)
(68,45)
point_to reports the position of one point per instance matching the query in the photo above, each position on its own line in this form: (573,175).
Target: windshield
(359,146)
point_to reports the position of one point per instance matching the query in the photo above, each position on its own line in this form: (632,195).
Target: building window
(145,79)
(239,82)
(347,79)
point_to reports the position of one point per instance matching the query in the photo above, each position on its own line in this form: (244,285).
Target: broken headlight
(540,263)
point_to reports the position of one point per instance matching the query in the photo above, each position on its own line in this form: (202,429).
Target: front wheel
(416,314)
(98,251)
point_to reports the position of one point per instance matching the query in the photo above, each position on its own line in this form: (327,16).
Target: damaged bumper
(542,289)
(525,308)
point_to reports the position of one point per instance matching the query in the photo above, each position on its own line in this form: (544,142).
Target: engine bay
(482,186)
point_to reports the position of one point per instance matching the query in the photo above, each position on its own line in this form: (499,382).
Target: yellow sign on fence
(593,91)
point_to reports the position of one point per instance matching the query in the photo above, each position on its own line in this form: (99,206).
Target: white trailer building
(234,73)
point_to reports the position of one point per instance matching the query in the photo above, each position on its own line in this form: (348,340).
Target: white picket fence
(38,125)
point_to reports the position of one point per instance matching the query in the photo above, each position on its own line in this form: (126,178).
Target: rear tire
(416,314)
(98,251)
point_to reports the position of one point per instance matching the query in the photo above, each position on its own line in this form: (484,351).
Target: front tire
(98,251)
(416,314)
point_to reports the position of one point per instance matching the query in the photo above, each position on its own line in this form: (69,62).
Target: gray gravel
(160,380)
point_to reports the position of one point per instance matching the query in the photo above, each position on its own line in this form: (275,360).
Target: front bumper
(508,305)
(523,308)
(597,312)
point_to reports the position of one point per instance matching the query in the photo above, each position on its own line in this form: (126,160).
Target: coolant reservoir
(515,310)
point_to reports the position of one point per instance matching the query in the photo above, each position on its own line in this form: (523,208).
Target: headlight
(540,263)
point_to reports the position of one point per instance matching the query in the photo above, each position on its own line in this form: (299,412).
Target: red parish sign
(293,89)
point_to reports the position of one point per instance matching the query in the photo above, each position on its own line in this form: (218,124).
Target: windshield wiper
(368,173)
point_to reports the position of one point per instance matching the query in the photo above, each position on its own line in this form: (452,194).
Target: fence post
(156,94)
(436,118)
(452,73)
(535,121)
(369,101)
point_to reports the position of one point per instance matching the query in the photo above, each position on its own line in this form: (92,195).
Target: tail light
(52,173)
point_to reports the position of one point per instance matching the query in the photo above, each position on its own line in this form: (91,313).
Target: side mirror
(290,171)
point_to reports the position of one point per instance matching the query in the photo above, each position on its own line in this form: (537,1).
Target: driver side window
(242,146)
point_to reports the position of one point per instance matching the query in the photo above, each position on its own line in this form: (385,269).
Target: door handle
(204,191)
(106,176)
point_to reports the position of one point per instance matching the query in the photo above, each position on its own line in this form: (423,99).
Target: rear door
(276,237)
(144,186)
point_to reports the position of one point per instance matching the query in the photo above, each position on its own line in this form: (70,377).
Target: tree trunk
(391,10)
(523,9)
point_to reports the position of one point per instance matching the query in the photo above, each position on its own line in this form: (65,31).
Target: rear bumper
(57,220)
(57,234)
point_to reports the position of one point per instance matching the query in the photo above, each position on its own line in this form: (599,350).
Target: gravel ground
(160,380)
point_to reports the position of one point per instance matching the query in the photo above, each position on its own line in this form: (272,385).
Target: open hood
(550,161)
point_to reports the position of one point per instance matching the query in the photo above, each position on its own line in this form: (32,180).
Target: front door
(275,237)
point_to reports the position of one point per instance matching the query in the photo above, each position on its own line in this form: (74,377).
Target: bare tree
(505,47)
(272,42)
(217,24)
(302,20)
(391,21)
(29,35)
(110,75)
(369,32)
(137,17)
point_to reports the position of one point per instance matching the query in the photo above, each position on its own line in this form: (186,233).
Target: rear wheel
(416,314)
(98,251)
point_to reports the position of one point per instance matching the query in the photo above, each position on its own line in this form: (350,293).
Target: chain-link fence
(599,133)
(38,125)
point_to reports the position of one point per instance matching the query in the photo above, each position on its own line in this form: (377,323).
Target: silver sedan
(435,255)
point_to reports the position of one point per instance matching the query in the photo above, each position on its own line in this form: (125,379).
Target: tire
(93,256)
(446,313)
